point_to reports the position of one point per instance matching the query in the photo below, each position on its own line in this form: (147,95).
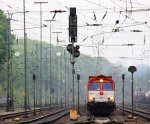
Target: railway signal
(73,50)
(34,78)
(132,69)
(76,51)
(69,48)
(123,78)
(73,25)
(78,78)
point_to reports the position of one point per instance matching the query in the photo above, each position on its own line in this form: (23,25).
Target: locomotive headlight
(91,97)
(111,98)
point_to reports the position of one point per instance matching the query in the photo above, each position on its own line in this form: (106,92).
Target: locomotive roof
(100,77)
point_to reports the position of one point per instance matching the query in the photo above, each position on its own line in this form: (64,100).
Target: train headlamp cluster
(91,97)
(101,80)
(111,98)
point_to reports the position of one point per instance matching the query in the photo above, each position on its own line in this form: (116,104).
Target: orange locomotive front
(101,94)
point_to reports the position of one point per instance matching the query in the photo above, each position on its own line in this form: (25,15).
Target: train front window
(94,86)
(107,86)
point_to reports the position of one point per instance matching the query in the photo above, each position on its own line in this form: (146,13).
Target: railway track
(18,116)
(49,118)
(98,120)
(141,113)
(115,118)
(23,113)
(143,106)
(12,115)
(42,116)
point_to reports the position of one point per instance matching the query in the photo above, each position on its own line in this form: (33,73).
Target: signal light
(34,77)
(72,11)
(70,47)
(73,50)
(73,24)
(76,51)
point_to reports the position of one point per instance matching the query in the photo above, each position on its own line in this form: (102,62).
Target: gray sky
(124,16)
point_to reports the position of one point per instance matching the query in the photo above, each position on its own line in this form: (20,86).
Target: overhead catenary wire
(102,10)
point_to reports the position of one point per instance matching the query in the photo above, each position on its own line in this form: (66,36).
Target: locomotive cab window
(107,86)
(94,86)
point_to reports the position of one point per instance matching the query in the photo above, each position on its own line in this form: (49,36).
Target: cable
(134,3)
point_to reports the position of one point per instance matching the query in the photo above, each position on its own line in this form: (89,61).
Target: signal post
(74,52)
(132,69)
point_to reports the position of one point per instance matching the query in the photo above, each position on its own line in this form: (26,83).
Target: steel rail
(47,118)
(140,113)
(7,116)
(16,114)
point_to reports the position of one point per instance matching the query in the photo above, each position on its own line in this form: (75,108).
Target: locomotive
(101,94)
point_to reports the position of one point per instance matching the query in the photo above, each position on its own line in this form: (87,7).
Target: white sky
(90,37)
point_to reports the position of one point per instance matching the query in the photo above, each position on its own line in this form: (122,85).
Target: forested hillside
(3,51)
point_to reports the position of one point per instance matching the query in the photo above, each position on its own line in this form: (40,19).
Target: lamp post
(132,69)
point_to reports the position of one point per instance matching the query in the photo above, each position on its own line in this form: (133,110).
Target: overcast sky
(119,22)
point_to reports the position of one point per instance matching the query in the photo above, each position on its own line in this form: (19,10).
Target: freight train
(101,95)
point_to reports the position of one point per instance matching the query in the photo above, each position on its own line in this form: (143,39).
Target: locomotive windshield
(107,86)
(95,86)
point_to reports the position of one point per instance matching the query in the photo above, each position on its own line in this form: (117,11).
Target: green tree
(3,37)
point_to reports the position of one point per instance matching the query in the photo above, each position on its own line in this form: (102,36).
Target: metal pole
(25,61)
(57,68)
(40,51)
(34,98)
(132,97)
(40,56)
(78,97)
(50,54)
(12,95)
(34,78)
(8,66)
(68,83)
(11,104)
(46,74)
(123,96)
(61,81)
(65,76)
(132,69)
(37,72)
(73,72)
(123,77)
